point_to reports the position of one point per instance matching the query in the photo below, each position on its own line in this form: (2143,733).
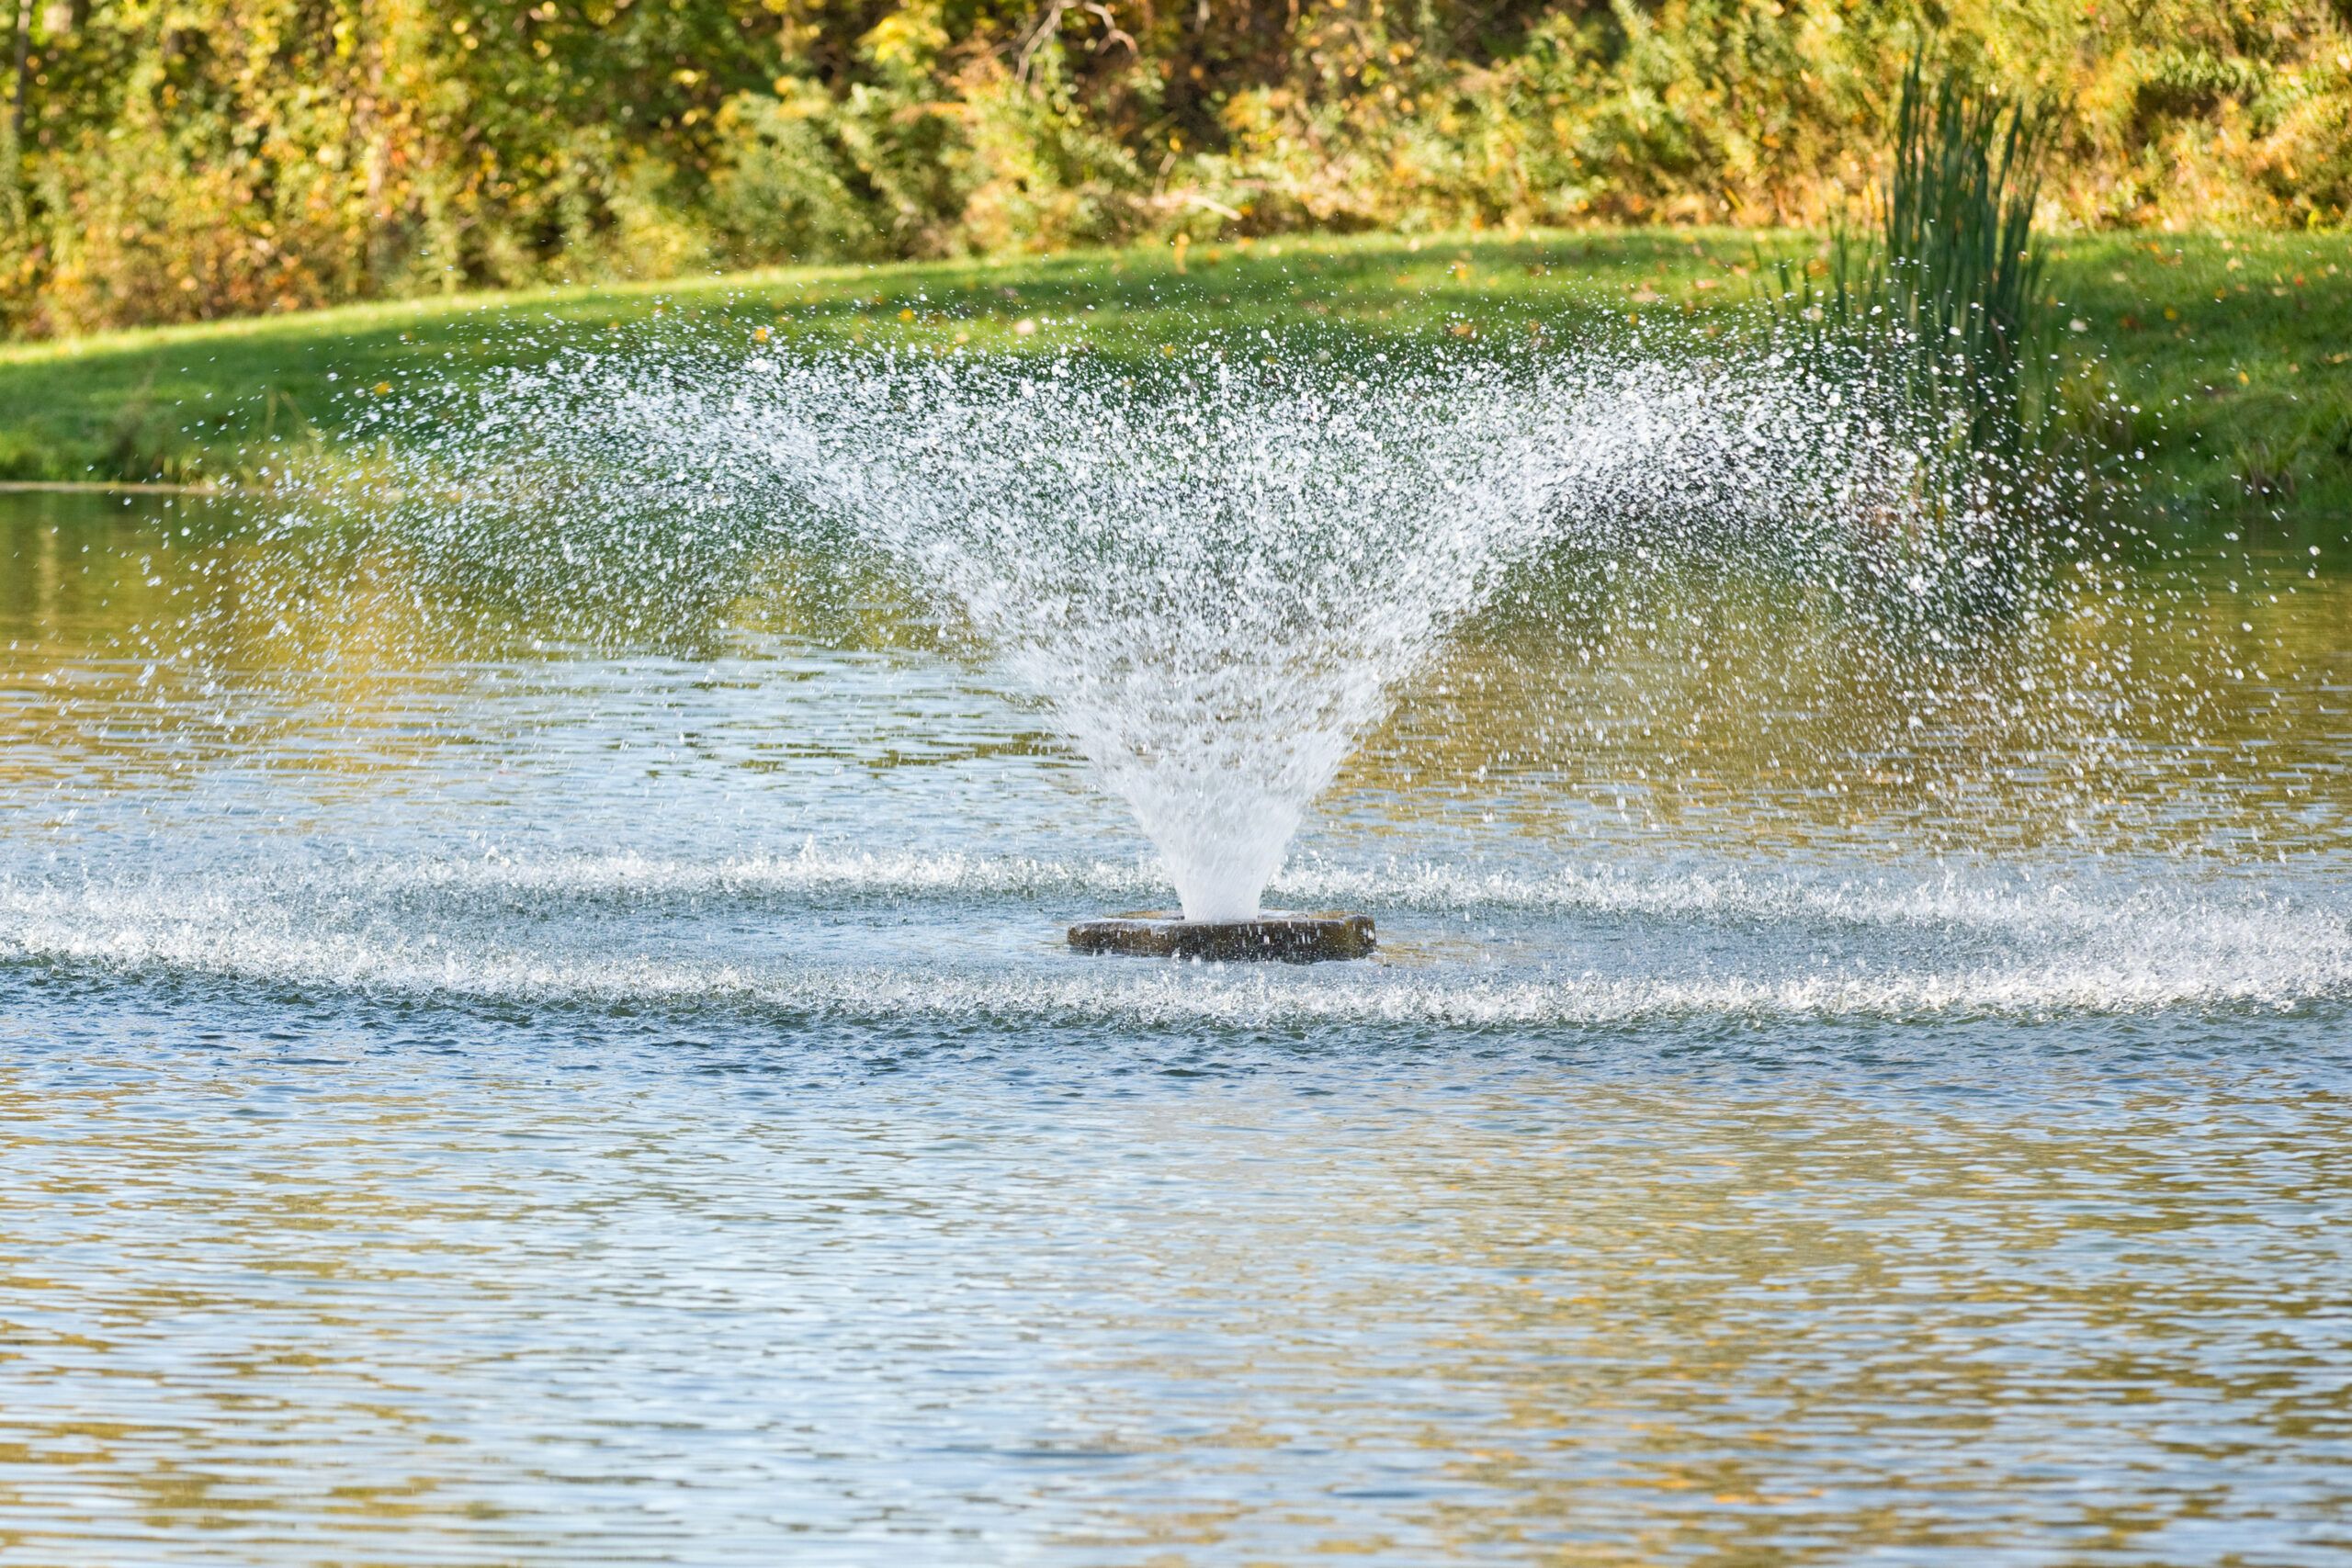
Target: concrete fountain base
(1276,934)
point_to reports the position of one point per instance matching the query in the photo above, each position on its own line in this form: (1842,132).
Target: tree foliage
(186,159)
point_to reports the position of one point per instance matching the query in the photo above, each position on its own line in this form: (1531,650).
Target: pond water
(478,1093)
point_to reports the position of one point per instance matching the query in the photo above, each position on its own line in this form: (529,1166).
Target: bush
(205,157)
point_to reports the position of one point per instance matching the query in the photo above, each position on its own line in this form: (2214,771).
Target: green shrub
(184,159)
(782,187)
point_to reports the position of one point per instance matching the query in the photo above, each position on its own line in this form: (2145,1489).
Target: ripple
(1626,947)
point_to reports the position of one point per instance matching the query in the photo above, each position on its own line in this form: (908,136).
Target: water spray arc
(1214,576)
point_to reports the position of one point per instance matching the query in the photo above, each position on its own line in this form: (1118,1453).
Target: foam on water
(1939,946)
(2013,906)
(1213,577)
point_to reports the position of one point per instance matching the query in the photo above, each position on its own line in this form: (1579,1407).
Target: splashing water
(1213,574)
(557,853)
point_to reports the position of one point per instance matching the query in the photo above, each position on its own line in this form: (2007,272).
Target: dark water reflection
(465,1102)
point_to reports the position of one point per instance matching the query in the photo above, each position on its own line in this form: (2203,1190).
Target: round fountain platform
(1277,934)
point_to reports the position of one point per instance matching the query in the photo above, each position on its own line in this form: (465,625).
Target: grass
(2235,349)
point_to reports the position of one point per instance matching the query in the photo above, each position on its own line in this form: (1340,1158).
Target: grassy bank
(2238,348)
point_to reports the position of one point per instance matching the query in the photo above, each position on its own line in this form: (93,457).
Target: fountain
(575,872)
(1212,573)
(1270,934)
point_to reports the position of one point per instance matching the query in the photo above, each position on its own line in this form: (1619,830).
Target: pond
(483,1091)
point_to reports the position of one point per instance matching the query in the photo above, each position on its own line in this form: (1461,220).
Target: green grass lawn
(2238,348)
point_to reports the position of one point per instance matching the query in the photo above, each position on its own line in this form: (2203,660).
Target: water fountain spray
(1213,573)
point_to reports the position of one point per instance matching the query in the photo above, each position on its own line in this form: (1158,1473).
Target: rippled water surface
(476,1095)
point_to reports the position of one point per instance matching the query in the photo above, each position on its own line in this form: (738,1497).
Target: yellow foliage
(193,158)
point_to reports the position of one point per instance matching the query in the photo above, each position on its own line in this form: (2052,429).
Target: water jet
(1215,578)
(1277,935)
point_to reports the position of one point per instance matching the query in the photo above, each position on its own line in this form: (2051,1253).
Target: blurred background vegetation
(187,160)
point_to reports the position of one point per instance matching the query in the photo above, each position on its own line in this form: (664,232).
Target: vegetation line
(2226,359)
(217,158)
(103,487)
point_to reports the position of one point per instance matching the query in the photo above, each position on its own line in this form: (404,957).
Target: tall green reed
(1945,298)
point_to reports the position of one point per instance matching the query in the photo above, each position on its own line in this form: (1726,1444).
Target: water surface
(477,1093)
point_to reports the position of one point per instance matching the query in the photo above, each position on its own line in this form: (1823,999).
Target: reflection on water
(350,1282)
(2190,704)
(472,1090)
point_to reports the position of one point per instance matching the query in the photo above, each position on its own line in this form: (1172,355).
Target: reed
(1945,298)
